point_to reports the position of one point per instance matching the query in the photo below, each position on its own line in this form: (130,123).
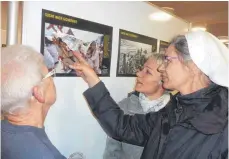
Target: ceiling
(213,13)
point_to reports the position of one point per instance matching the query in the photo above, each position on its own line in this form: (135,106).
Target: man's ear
(38,94)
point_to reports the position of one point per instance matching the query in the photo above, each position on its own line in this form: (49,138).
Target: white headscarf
(210,55)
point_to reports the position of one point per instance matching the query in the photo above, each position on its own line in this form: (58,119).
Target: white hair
(21,68)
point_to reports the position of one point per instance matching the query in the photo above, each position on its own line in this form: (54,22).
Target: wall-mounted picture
(133,52)
(63,35)
(163,46)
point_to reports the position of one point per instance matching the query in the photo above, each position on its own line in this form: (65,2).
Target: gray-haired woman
(194,124)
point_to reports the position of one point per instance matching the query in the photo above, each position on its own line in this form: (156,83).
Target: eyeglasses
(167,59)
(51,73)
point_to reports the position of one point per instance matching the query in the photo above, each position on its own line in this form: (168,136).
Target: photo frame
(63,35)
(133,52)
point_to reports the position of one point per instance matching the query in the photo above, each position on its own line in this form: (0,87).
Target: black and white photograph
(134,49)
(163,46)
(62,36)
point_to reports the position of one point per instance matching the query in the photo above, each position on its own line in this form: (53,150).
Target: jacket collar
(206,109)
(133,93)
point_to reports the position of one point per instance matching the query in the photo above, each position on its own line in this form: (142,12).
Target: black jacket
(192,126)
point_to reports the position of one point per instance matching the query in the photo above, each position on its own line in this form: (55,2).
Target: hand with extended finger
(84,70)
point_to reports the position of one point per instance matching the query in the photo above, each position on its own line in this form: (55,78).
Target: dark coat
(193,126)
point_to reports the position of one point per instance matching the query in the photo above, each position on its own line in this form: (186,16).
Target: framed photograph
(133,52)
(163,46)
(63,35)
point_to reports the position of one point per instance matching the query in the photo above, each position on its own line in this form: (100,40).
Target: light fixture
(160,16)
(169,9)
(199,26)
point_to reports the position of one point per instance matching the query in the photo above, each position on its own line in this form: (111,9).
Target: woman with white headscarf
(194,124)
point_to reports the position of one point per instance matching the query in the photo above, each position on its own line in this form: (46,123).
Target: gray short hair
(181,45)
(21,68)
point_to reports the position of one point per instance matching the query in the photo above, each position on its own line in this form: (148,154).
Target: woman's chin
(138,87)
(165,84)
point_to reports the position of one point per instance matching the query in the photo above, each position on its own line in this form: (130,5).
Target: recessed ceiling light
(160,16)
(169,9)
(199,28)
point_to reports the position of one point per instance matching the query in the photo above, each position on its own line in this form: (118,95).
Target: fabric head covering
(210,55)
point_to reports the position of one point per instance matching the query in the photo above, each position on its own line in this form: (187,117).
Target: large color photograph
(133,52)
(63,35)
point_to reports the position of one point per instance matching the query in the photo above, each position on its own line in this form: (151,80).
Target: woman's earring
(160,82)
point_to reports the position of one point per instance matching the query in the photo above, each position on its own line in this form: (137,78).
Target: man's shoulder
(26,145)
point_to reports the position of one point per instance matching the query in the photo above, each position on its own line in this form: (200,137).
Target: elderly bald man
(27,93)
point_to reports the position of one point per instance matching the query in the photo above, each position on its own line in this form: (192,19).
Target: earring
(160,82)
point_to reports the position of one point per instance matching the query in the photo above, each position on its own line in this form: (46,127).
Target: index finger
(79,57)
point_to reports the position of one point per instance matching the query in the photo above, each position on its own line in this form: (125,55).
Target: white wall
(69,124)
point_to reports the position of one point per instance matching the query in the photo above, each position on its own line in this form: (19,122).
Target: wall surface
(69,124)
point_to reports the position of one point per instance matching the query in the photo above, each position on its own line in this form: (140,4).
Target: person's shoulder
(129,103)
(123,103)
(48,148)
(34,146)
(132,96)
(223,92)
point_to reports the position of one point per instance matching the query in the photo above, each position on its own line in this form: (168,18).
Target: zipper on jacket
(178,111)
